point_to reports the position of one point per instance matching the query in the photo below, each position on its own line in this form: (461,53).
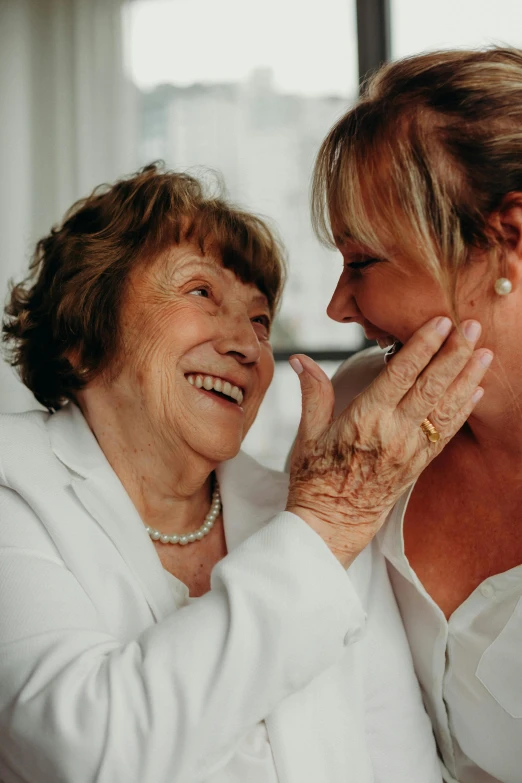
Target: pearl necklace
(197,535)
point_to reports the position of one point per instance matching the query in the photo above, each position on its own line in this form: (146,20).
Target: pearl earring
(503,286)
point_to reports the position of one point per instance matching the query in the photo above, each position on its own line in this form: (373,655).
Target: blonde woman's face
(391,298)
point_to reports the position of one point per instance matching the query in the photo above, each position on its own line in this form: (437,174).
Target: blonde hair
(431,149)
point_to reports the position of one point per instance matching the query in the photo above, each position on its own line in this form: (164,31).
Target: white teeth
(218,384)
(386,342)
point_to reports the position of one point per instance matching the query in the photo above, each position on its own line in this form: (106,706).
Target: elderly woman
(163,617)
(422,183)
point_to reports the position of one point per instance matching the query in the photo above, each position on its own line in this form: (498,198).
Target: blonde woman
(420,188)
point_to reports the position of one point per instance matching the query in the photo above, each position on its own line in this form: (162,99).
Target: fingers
(455,359)
(401,373)
(457,404)
(317,398)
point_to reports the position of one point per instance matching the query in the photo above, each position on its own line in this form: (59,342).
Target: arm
(78,706)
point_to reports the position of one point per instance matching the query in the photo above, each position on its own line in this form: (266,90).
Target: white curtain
(66,125)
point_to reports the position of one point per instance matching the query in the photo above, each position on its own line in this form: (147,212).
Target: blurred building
(264,143)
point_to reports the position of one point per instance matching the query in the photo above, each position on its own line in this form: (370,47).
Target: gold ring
(430,431)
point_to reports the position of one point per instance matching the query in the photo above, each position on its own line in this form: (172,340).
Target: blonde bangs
(375,183)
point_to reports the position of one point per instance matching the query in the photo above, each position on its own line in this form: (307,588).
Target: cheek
(265,374)
(266,369)
(158,337)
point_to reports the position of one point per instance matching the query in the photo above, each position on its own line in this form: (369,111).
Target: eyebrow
(190,263)
(197,261)
(260,299)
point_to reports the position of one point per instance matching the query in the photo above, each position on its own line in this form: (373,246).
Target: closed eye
(362,264)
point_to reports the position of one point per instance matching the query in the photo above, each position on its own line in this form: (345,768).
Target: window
(418,26)
(250,89)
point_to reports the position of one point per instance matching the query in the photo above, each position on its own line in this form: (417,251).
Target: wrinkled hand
(346,474)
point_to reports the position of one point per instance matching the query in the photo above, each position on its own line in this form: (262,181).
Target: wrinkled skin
(346,474)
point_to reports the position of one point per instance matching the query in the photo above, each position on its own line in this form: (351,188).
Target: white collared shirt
(470,667)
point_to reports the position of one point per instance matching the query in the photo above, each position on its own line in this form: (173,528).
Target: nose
(239,339)
(343,307)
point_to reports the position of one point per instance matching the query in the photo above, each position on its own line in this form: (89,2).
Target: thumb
(317,398)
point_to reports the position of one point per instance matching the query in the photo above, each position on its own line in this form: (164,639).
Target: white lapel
(99,490)
(251,495)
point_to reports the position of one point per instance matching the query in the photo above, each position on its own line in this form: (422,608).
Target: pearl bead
(503,286)
(197,535)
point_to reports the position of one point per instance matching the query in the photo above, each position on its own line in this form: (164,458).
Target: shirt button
(487,591)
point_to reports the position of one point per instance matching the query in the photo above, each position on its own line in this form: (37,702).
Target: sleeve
(400,736)
(79,706)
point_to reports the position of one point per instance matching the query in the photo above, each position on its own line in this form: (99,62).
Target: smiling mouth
(218,387)
(392,344)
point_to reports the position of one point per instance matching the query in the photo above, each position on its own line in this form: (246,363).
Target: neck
(495,427)
(170,485)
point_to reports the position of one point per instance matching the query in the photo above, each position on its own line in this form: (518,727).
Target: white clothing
(107,676)
(253,760)
(470,668)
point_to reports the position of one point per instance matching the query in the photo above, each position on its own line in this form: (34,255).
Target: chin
(222,451)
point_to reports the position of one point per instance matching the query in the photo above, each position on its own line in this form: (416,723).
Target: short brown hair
(429,152)
(70,303)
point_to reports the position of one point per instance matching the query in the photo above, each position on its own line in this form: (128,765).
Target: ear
(506,222)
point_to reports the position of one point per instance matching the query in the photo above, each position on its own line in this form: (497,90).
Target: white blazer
(107,677)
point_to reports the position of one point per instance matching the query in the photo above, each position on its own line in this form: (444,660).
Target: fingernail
(443,326)
(296,365)
(485,357)
(477,394)
(472,330)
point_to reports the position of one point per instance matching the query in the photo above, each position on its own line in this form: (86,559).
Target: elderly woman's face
(197,358)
